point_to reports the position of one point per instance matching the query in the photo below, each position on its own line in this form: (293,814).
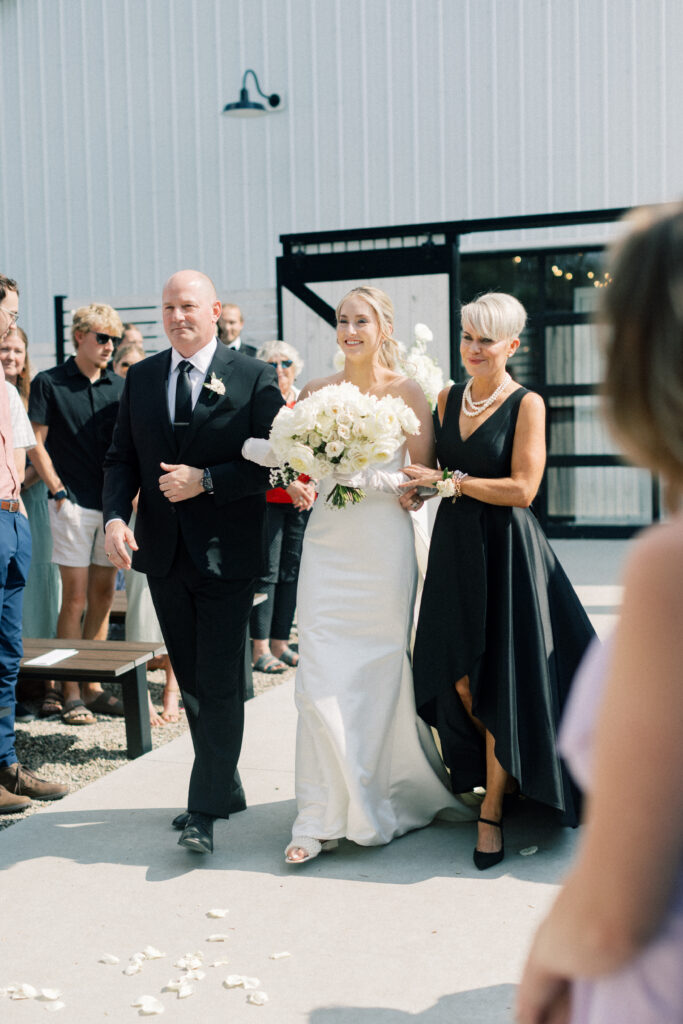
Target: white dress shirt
(201,361)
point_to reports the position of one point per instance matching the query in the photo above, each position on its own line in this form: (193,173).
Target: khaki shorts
(77,535)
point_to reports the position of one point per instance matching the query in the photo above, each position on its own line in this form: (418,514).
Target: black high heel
(488,860)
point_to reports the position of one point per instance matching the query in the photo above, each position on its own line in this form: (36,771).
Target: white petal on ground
(25,992)
(148,1005)
(109,959)
(279,956)
(218,937)
(528,851)
(137,958)
(219,963)
(216,913)
(257,998)
(173,985)
(194,975)
(57,1005)
(184,991)
(132,969)
(50,993)
(233,981)
(190,961)
(251,982)
(152,953)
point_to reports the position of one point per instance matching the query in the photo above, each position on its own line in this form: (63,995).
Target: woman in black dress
(501,630)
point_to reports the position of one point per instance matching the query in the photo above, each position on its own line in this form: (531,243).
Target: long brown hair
(643,312)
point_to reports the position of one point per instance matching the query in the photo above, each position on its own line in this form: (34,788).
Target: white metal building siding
(116,167)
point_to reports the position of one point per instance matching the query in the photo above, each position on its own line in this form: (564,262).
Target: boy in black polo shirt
(73,409)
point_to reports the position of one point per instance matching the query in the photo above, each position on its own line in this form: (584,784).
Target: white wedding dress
(366,766)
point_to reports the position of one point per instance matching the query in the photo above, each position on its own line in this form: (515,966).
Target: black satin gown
(497,607)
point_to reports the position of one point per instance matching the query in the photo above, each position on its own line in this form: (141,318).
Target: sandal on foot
(51,704)
(312,847)
(484,860)
(289,657)
(106,704)
(269,665)
(76,713)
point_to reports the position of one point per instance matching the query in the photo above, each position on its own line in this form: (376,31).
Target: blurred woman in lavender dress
(611,949)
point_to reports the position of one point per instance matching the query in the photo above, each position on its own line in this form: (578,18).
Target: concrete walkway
(408,932)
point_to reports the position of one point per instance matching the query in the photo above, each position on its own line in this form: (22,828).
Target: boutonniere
(215,385)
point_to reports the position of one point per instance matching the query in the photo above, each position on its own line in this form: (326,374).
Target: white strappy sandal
(312,847)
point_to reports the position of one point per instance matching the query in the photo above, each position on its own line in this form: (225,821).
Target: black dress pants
(204,623)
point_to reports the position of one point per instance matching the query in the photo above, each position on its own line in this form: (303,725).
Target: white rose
(301,458)
(333,449)
(314,439)
(382,451)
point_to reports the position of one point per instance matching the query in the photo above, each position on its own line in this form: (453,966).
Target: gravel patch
(78,755)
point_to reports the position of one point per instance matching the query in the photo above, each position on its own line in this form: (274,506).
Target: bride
(366,767)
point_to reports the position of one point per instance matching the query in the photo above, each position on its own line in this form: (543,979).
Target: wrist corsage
(450,484)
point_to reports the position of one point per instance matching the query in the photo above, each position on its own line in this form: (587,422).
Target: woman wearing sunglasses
(288,509)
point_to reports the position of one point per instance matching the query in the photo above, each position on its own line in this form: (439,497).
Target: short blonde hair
(642,310)
(383,308)
(95,317)
(494,315)
(279,349)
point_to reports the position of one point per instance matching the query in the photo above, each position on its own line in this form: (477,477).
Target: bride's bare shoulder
(318,383)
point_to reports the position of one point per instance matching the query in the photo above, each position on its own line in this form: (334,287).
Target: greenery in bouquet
(339,432)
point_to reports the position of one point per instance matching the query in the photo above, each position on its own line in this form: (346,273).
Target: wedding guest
(287,514)
(18,784)
(500,630)
(611,948)
(132,335)
(141,621)
(127,354)
(229,327)
(42,591)
(73,409)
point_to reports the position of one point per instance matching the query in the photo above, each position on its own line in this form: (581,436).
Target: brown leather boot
(23,782)
(10,804)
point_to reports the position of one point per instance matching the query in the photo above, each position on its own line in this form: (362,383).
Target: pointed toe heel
(482,860)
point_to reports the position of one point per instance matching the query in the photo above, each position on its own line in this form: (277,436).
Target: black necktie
(183,399)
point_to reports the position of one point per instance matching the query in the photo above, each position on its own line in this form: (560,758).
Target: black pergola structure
(542,277)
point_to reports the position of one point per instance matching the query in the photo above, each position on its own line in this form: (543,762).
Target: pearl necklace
(477,408)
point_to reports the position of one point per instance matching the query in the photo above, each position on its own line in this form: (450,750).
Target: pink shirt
(9,481)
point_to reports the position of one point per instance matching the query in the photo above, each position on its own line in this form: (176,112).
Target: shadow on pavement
(491,1005)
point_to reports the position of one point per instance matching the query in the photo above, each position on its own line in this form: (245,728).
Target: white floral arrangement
(415,363)
(338,431)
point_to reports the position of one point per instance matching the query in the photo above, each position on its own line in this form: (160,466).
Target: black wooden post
(59,328)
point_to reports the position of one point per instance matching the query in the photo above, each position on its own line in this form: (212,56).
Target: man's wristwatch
(58,495)
(207,482)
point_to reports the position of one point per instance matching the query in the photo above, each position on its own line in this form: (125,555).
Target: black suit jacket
(223,531)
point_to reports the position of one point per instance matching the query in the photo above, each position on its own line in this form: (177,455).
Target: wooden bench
(111,661)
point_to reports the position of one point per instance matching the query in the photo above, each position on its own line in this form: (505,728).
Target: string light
(516,259)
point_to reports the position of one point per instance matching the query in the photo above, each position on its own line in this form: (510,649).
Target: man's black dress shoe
(198,833)
(238,802)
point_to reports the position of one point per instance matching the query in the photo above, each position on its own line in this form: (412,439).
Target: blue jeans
(15,559)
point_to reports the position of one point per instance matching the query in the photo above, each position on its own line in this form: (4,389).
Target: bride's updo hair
(494,315)
(384,311)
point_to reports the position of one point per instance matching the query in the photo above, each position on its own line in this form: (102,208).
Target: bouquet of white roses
(338,431)
(417,364)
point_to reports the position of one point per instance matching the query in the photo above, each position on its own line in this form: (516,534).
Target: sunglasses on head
(104,339)
(284,363)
